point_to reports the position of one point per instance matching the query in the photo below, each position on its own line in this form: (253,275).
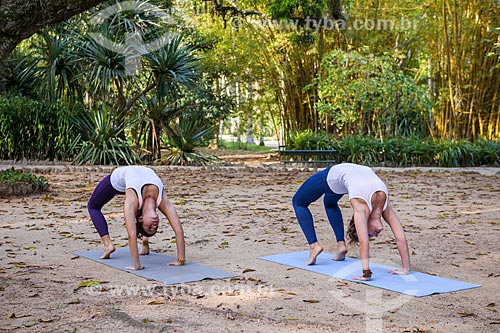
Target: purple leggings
(103,193)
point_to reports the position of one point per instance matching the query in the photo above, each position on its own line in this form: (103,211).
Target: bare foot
(107,251)
(145,247)
(341,252)
(361,278)
(144,250)
(314,250)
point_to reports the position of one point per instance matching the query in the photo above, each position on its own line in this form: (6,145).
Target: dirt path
(232,215)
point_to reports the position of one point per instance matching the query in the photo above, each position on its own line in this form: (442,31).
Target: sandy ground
(232,215)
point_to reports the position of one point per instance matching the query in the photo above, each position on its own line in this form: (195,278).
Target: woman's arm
(399,234)
(170,213)
(129,210)
(361,214)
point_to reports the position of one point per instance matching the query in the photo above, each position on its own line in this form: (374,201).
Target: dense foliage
(428,72)
(100,141)
(402,151)
(130,71)
(185,135)
(369,95)
(36,131)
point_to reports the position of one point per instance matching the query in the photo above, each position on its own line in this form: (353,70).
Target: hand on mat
(361,278)
(399,271)
(133,268)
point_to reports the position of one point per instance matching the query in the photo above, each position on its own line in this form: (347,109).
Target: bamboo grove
(444,56)
(382,69)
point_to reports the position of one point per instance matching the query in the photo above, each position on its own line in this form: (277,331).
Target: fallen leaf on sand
(43,320)
(223,245)
(89,283)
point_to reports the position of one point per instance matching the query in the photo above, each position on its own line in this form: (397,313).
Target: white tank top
(135,177)
(358,181)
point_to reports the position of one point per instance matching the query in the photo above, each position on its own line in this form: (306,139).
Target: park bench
(307,156)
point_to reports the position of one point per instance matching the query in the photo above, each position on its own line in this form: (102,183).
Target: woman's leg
(334,214)
(103,193)
(310,191)
(335,218)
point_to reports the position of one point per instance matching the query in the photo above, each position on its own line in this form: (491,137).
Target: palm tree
(75,57)
(172,72)
(48,69)
(165,75)
(185,134)
(101,141)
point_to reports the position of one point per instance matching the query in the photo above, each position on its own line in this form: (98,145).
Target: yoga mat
(156,267)
(414,284)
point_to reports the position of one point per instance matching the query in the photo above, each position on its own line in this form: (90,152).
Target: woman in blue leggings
(368,197)
(310,191)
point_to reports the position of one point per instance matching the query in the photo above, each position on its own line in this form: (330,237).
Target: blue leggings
(103,193)
(310,191)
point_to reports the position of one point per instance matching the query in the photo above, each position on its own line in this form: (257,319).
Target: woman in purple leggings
(369,200)
(144,193)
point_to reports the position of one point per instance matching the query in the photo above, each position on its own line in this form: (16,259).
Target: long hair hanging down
(351,232)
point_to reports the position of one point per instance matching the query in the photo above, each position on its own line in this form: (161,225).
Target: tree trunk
(23,18)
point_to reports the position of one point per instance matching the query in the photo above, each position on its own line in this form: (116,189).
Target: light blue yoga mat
(156,267)
(414,284)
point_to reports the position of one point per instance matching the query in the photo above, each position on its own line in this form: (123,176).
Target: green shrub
(369,95)
(402,151)
(452,153)
(360,149)
(189,132)
(101,142)
(14,182)
(36,131)
(310,140)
